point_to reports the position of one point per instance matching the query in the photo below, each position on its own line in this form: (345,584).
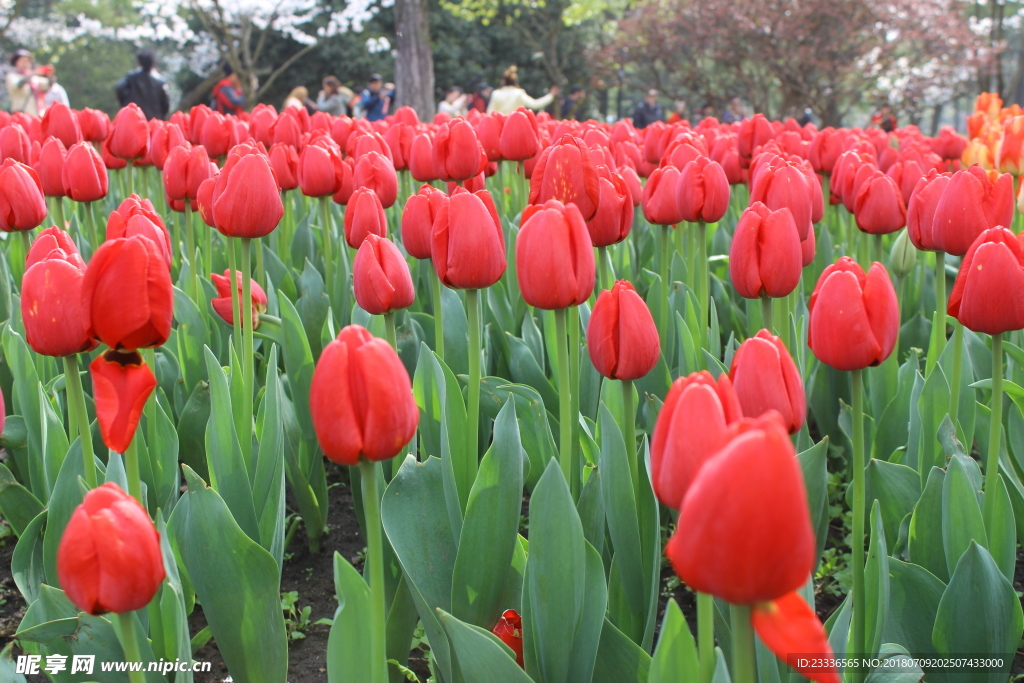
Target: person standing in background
(144,88)
(26,85)
(228,96)
(375,100)
(481,98)
(56,93)
(510,96)
(454,102)
(884,119)
(572,106)
(334,98)
(680,112)
(648,111)
(299,97)
(735,113)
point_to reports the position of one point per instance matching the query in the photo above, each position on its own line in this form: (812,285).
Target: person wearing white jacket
(510,96)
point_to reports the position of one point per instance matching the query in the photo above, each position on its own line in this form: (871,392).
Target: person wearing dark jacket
(648,111)
(144,88)
(228,96)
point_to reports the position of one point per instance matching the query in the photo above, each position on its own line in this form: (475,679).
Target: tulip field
(713,403)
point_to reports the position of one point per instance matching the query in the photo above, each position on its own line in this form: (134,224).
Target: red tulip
(109,160)
(61,122)
(122,382)
(456,151)
(127,294)
(807,249)
(319,170)
(22,205)
(421,160)
(129,134)
(754,133)
(765,257)
(788,625)
(261,122)
(287,131)
(51,296)
(185,169)
(520,139)
(15,144)
(162,140)
(364,216)
(488,132)
(782,184)
(285,162)
(987,295)
(418,219)
(879,207)
(95,124)
(222,304)
(119,226)
(344,194)
(84,175)
(246,199)
(614,217)
(50,167)
(921,209)
(854,318)
(554,256)
(467,245)
(972,202)
(566,172)
(949,144)
(659,202)
(361,399)
(109,557)
(621,336)
(766,378)
(509,630)
(375,171)
(744,532)
(380,277)
(691,427)
(702,191)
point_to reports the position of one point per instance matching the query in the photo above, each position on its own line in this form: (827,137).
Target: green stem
(859,645)
(572,321)
(389,325)
(603,276)
(766,313)
(743,658)
(958,360)
(328,239)
(248,360)
(629,435)
(995,430)
(940,291)
(131,178)
(131,468)
(77,408)
(704,291)
(59,201)
(473,405)
(96,237)
(564,397)
(193,262)
(666,259)
(706,636)
(130,644)
(435,288)
(879,250)
(235,315)
(207,248)
(375,558)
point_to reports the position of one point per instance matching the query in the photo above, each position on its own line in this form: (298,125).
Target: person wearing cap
(145,88)
(375,100)
(648,111)
(26,85)
(228,96)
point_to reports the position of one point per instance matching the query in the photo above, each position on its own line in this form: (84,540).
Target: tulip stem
(954,387)
(193,262)
(629,436)
(328,238)
(564,398)
(59,202)
(375,558)
(79,417)
(743,657)
(603,276)
(236,318)
(704,291)
(573,325)
(131,178)
(940,292)
(766,314)
(389,326)
(130,644)
(248,361)
(995,430)
(666,259)
(435,288)
(208,248)
(95,237)
(473,406)
(131,468)
(706,636)
(859,498)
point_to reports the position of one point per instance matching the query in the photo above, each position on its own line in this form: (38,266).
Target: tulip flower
(788,625)
(782,184)
(621,336)
(215,135)
(1010,152)
(702,191)
(84,175)
(185,168)
(163,138)
(222,304)
(319,170)
(381,279)
(246,200)
(50,167)
(139,223)
(467,244)
(488,132)
(287,131)
(692,426)
(109,557)
(399,138)
(554,256)
(261,122)
(509,630)
(949,144)
(985,297)
(15,144)
(421,160)
(122,383)
(566,172)
(765,258)
(22,205)
(129,133)
(127,294)
(879,207)
(285,162)
(456,151)
(972,202)
(51,296)
(921,210)
(364,216)
(109,160)
(61,122)
(766,378)
(95,124)
(520,138)
(418,219)
(375,171)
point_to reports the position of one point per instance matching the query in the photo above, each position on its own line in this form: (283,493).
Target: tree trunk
(414,63)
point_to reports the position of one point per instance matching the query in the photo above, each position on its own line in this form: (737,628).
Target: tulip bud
(109,557)
(971,203)
(921,210)
(127,294)
(566,172)
(621,336)
(222,304)
(129,134)
(50,167)
(854,318)
(692,426)
(51,296)
(15,144)
(467,245)
(285,161)
(418,219)
(746,512)
(375,171)
(520,139)
(319,169)
(987,294)
(702,191)
(903,256)
(246,199)
(364,216)
(765,258)
(509,630)
(554,256)
(380,277)
(879,207)
(22,205)
(95,124)
(185,169)
(781,184)
(659,201)
(456,151)
(84,175)
(614,217)
(287,131)
(766,378)
(361,399)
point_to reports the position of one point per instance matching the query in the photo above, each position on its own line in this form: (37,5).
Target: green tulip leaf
(914,595)
(481,656)
(17,504)
(349,650)
(962,520)
(27,565)
(926,545)
(619,659)
(675,657)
